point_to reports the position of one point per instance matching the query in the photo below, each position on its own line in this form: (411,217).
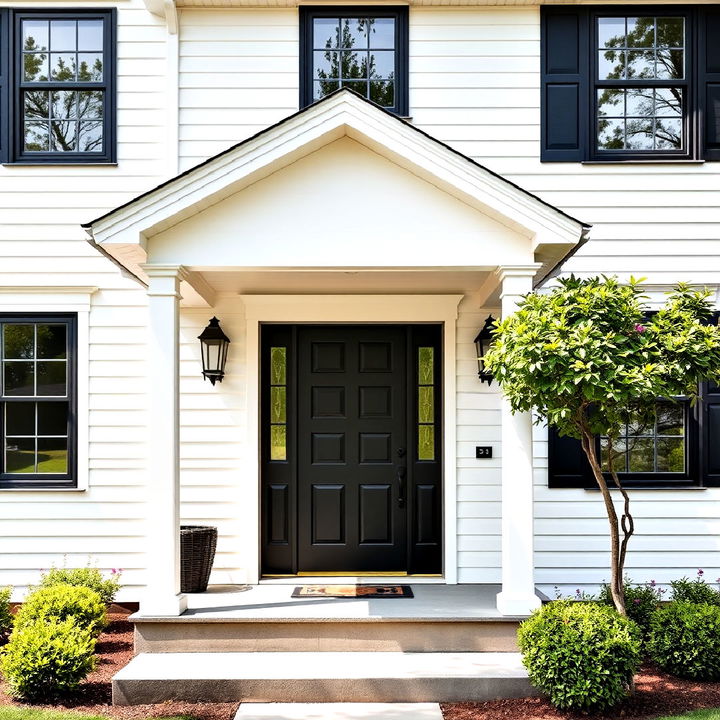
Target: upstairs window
(363,49)
(61,87)
(630,83)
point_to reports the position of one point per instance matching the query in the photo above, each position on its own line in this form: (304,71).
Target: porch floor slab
(320,677)
(339,711)
(273,603)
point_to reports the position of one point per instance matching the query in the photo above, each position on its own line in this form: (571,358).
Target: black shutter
(564,100)
(709,81)
(568,466)
(5,85)
(709,412)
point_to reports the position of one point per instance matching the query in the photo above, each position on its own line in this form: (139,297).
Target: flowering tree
(586,357)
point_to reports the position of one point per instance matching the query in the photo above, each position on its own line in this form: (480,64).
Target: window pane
(35,67)
(670,419)
(278,442)
(52,342)
(670,64)
(322,88)
(611,103)
(426,442)
(91,137)
(611,32)
(611,134)
(641,426)
(63,34)
(640,102)
(326,64)
(670,32)
(359,87)
(668,102)
(18,341)
(382,64)
(19,455)
(19,378)
(62,67)
(353,33)
(52,455)
(90,67)
(353,65)
(671,455)
(63,135)
(35,34)
(278,404)
(668,134)
(639,134)
(278,365)
(619,455)
(640,32)
(52,418)
(325,32)
(425,365)
(36,137)
(640,65)
(90,34)
(426,406)
(36,105)
(382,33)
(51,379)
(611,64)
(20,418)
(63,104)
(641,455)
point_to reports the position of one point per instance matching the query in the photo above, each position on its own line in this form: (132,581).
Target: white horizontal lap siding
(238,74)
(43,245)
(478,492)
(213,434)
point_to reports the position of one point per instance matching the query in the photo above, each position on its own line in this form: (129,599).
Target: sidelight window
(278,403)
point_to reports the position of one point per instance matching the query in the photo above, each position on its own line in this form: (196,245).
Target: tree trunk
(617,550)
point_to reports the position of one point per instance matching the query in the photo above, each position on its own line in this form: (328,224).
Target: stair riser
(138,692)
(151,637)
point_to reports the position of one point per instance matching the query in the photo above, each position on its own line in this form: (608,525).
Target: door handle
(401,475)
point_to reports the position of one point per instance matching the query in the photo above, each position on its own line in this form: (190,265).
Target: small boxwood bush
(685,640)
(62,602)
(6,617)
(695,591)
(582,655)
(89,577)
(641,601)
(47,657)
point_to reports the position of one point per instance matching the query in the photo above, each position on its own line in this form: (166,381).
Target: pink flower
(700,572)
(640,328)
(636,601)
(652,583)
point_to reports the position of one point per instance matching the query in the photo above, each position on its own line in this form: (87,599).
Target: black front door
(351,449)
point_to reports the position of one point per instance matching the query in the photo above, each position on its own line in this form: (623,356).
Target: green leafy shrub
(47,657)
(641,601)
(582,655)
(6,617)
(62,602)
(685,640)
(89,577)
(695,591)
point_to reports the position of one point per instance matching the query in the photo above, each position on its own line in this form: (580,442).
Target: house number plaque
(483,451)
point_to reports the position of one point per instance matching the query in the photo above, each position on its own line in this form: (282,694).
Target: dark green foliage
(641,601)
(47,657)
(64,602)
(6,618)
(89,577)
(685,640)
(582,655)
(695,591)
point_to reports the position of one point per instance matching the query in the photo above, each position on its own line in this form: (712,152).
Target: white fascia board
(337,116)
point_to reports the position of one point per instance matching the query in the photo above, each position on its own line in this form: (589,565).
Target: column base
(163,605)
(509,603)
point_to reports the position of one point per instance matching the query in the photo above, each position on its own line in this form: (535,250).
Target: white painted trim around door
(348,309)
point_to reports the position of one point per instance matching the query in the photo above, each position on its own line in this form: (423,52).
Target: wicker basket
(197,552)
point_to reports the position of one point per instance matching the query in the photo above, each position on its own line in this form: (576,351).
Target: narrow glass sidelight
(426,403)
(278,403)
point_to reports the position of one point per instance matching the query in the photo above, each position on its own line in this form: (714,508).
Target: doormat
(353,591)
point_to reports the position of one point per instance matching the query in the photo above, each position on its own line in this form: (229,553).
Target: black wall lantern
(482,345)
(214,347)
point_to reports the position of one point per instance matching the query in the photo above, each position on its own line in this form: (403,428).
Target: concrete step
(339,711)
(198,633)
(320,677)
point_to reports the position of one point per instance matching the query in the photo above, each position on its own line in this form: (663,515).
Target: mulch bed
(115,649)
(656,694)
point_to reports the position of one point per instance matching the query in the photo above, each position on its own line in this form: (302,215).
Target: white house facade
(351,190)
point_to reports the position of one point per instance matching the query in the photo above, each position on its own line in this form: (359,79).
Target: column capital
(153,270)
(524,271)
(516,280)
(164,280)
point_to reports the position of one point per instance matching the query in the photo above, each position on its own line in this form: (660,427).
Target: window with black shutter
(630,83)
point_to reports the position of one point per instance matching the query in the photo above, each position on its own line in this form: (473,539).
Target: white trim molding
(349,309)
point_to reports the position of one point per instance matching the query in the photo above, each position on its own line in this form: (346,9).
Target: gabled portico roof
(124,232)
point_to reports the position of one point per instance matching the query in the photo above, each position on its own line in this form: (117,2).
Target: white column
(162,595)
(518,583)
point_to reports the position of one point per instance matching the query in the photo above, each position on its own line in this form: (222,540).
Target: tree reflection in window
(640,110)
(356,53)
